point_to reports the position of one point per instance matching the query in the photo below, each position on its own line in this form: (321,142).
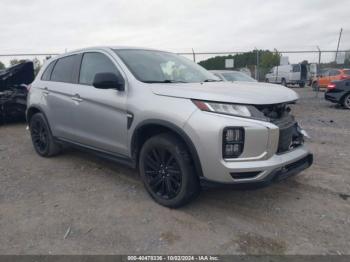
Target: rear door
(100,115)
(58,91)
(304,72)
(294,74)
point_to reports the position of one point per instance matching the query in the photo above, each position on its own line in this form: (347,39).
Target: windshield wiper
(164,81)
(212,80)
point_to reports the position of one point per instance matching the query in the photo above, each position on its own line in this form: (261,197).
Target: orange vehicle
(330,75)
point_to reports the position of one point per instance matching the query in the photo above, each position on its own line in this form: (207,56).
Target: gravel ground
(76,203)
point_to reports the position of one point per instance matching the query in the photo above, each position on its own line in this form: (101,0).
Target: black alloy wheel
(42,139)
(163,173)
(39,136)
(167,170)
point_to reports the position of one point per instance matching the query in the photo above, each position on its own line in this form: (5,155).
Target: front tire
(167,171)
(42,139)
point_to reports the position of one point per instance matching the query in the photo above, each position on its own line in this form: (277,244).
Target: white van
(288,74)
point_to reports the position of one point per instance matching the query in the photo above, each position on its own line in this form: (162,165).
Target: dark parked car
(13,90)
(339,92)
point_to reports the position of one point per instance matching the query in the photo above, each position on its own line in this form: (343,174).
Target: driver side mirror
(108,81)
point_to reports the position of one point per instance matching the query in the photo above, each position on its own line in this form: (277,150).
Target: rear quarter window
(47,73)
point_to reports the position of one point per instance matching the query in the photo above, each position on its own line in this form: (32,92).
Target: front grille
(290,136)
(285,139)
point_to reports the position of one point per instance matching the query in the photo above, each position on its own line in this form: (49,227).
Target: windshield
(237,76)
(162,67)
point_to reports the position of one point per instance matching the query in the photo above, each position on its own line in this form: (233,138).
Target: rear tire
(42,138)
(301,85)
(167,171)
(346,101)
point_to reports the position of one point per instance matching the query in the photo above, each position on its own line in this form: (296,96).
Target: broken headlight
(240,110)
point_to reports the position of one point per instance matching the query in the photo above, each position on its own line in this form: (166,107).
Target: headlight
(230,109)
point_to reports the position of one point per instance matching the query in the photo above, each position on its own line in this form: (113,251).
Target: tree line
(267,60)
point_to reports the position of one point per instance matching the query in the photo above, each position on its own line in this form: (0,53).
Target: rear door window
(47,73)
(94,63)
(66,69)
(347,72)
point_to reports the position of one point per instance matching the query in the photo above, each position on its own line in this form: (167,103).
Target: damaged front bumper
(283,171)
(278,167)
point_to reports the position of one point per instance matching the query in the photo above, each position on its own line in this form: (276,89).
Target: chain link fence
(257,62)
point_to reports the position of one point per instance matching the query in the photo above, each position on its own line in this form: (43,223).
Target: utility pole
(194,55)
(257,65)
(336,54)
(317,70)
(319,55)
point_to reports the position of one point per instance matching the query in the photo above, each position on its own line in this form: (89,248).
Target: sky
(53,26)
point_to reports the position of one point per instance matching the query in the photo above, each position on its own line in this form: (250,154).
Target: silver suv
(177,123)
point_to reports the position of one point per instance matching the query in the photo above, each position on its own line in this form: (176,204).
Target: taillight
(331,86)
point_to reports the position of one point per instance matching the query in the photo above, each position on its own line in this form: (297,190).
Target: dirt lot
(78,204)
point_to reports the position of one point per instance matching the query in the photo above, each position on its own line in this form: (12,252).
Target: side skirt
(118,158)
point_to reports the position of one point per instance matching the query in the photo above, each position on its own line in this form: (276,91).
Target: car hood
(254,93)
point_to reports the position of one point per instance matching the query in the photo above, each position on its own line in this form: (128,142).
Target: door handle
(46,91)
(77,98)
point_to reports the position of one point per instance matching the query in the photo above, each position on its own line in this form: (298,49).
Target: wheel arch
(148,128)
(342,100)
(32,110)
